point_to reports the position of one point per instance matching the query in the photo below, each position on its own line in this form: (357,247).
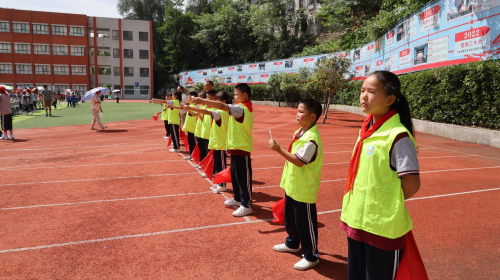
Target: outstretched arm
(211,103)
(197,110)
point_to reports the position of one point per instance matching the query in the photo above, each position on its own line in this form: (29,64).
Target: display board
(442,33)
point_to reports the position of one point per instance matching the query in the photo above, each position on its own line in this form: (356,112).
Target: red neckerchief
(365,133)
(295,138)
(248,104)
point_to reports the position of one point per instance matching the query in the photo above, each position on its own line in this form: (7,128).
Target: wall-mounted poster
(394,62)
(356,55)
(321,58)
(343,55)
(438,50)
(205,72)
(430,18)
(387,64)
(262,67)
(220,71)
(288,64)
(412,24)
(229,80)
(390,38)
(252,67)
(475,41)
(401,31)
(269,66)
(278,65)
(230,70)
(214,72)
(239,68)
(359,71)
(404,58)
(457,9)
(297,63)
(420,54)
(370,50)
(482,5)
(380,63)
(308,62)
(264,78)
(251,79)
(379,45)
(242,79)
(245,68)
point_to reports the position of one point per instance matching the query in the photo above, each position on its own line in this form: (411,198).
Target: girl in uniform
(383,172)
(190,126)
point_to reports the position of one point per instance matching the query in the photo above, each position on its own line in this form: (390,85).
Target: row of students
(171,105)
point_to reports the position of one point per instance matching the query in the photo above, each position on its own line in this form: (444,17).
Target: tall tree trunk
(328,95)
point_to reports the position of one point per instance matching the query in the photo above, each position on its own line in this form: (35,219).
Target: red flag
(411,266)
(279,211)
(207,164)
(182,135)
(196,154)
(186,143)
(223,177)
(155,116)
(169,140)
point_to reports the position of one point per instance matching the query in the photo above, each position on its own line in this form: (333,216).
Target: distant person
(184,100)
(47,100)
(73,100)
(6,113)
(117,96)
(95,108)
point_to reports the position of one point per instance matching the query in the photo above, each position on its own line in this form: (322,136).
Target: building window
(78,70)
(143,36)
(116,71)
(104,70)
(129,89)
(92,70)
(80,88)
(40,28)
(5,68)
(144,72)
(144,89)
(128,53)
(5,48)
(60,88)
(61,70)
(59,30)
(41,49)
(21,27)
(116,34)
(22,48)
(59,50)
(128,71)
(143,54)
(42,69)
(103,53)
(77,51)
(77,31)
(4,26)
(23,68)
(116,53)
(128,36)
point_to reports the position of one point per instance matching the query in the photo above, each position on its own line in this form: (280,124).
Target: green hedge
(265,93)
(466,94)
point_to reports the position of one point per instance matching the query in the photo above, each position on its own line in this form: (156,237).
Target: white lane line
(460,169)
(274,126)
(276,167)
(96,179)
(267,112)
(196,228)
(135,198)
(92,165)
(83,147)
(460,152)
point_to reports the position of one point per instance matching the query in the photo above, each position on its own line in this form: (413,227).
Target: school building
(72,51)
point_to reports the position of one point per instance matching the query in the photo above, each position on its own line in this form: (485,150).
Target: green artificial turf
(63,116)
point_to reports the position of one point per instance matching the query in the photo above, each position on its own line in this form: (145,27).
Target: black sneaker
(46,115)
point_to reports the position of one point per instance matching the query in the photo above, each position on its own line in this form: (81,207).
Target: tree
(290,85)
(330,76)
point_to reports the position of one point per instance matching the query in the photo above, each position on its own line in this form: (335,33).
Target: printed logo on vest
(370,150)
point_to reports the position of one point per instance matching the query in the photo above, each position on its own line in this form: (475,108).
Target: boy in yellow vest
(239,146)
(301,180)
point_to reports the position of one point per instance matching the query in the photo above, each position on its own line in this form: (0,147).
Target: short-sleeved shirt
(237,112)
(185,100)
(308,152)
(47,94)
(5,108)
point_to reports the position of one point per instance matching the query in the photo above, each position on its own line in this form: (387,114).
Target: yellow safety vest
(190,123)
(239,135)
(218,134)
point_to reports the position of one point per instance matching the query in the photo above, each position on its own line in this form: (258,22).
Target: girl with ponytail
(383,172)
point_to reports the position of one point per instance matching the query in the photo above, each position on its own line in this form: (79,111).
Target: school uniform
(301,186)
(197,133)
(373,211)
(189,127)
(218,140)
(174,120)
(239,147)
(206,126)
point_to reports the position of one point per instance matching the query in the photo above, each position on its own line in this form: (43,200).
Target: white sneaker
(196,166)
(242,211)
(232,202)
(4,137)
(11,137)
(188,158)
(284,248)
(218,189)
(203,175)
(199,167)
(304,264)
(165,137)
(174,150)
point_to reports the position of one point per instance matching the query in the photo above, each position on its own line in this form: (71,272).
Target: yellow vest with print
(218,134)
(199,121)
(190,123)
(173,115)
(239,135)
(376,203)
(164,114)
(302,183)
(206,126)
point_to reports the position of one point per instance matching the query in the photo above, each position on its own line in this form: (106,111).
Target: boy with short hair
(239,146)
(301,180)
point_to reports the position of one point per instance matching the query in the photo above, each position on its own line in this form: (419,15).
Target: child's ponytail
(392,86)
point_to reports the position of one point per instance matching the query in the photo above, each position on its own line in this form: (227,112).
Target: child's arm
(211,103)
(197,110)
(410,185)
(157,101)
(288,156)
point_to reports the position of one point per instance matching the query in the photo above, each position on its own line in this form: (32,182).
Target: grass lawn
(113,112)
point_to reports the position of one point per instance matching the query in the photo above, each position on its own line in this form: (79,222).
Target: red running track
(117,204)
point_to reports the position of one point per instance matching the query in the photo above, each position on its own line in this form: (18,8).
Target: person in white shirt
(95,107)
(184,100)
